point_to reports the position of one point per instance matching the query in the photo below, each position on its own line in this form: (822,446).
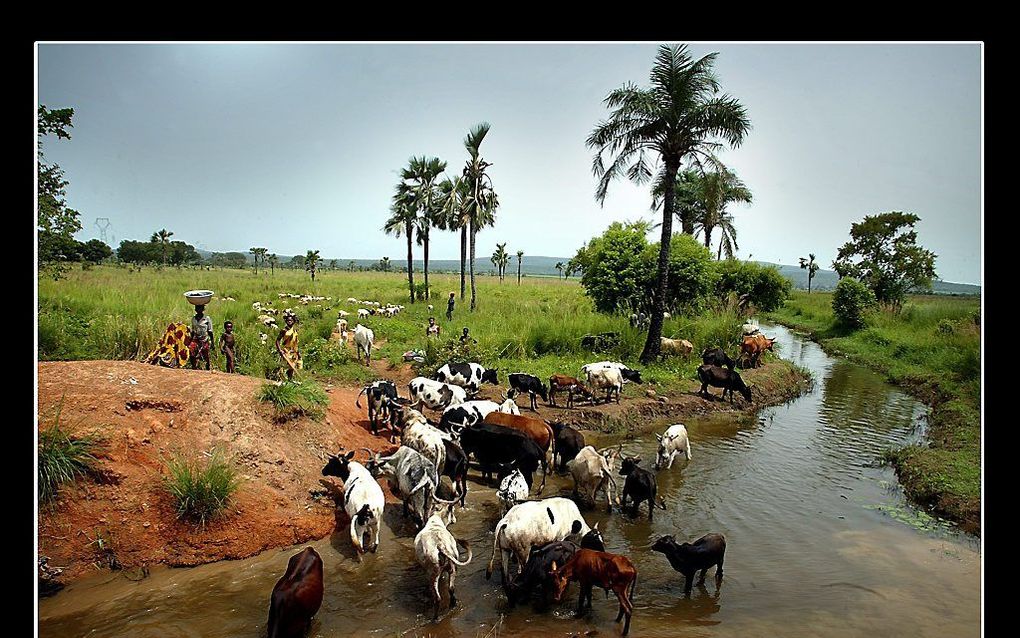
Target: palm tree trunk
(463,258)
(471,265)
(718,256)
(410,263)
(653,343)
(426,263)
(518,272)
(708,236)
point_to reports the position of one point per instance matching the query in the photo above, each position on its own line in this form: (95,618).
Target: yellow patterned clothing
(172,351)
(289,345)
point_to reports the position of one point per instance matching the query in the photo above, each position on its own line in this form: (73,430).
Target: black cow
(297,596)
(493,445)
(728,380)
(568,443)
(717,357)
(536,571)
(687,558)
(520,382)
(379,394)
(640,486)
(456,467)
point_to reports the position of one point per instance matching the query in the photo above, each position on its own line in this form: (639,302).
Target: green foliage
(419,291)
(95,251)
(766,288)
(200,491)
(614,268)
(946,326)
(691,274)
(851,302)
(64,457)
(885,256)
(295,399)
(56,221)
(323,355)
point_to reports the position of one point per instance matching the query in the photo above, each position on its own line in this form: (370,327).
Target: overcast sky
(298,147)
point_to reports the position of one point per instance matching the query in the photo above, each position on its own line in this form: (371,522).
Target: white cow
(512,489)
(434,394)
(436,551)
(363,498)
(533,523)
(363,339)
(628,373)
(417,434)
(611,379)
(592,470)
(362,313)
(674,441)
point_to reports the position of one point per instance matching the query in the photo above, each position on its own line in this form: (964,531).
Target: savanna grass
(200,491)
(292,399)
(64,457)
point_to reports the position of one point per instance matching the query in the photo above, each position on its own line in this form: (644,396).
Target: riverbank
(146,413)
(932,349)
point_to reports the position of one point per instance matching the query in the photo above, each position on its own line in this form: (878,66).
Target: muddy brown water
(820,542)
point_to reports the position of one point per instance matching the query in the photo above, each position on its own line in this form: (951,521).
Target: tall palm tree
(719,188)
(481,202)
(520,258)
(422,179)
(350,266)
(559,267)
(500,258)
(811,267)
(654,131)
(273,260)
(385,261)
(332,264)
(402,220)
(454,217)
(728,237)
(688,203)
(312,262)
(162,237)
(259,254)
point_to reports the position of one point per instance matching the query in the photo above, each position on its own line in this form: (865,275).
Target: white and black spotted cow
(378,394)
(469,376)
(469,413)
(434,394)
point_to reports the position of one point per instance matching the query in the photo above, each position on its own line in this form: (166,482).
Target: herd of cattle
(535,533)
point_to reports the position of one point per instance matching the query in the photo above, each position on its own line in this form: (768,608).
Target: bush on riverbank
(64,457)
(200,492)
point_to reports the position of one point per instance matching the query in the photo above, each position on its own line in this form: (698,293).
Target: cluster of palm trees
(660,133)
(701,197)
(426,199)
(500,258)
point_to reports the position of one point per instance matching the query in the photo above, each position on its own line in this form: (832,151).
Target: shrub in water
(851,301)
(200,491)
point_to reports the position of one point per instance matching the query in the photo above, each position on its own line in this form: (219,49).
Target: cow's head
(557,582)
(665,544)
(629,465)
(339,466)
(489,376)
(610,454)
(661,455)
(446,510)
(593,539)
(631,375)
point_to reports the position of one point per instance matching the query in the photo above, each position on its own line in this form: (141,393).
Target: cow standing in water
(297,596)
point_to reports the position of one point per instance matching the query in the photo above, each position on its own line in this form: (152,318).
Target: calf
(520,382)
(639,486)
(363,339)
(593,470)
(753,347)
(567,443)
(536,570)
(469,376)
(728,380)
(533,523)
(436,551)
(688,558)
(378,392)
(435,394)
(560,382)
(297,596)
(592,568)
(674,441)
(717,357)
(456,467)
(363,498)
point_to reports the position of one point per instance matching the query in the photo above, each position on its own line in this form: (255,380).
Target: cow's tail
(453,559)
(633,587)
(495,548)
(687,447)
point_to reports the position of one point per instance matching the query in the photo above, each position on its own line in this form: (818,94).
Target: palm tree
(385,262)
(688,203)
(402,220)
(350,266)
(273,260)
(454,217)
(162,237)
(520,257)
(480,202)
(728,238)
(421,177)
(332,264)
(658,129)
(811,267)
(500,258)
(718,189)
(258,254)
(312,262)
(559,267)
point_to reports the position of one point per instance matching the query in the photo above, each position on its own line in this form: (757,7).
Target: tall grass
(294,399)
(200,491)
(64,457)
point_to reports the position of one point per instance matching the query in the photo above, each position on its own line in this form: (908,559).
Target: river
(820,542)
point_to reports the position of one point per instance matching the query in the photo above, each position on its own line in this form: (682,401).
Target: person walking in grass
(201,337)
(227,344)
(449,308)
(287,345)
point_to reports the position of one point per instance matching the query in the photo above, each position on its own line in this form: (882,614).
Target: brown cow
(535,429)
(297,596)
(753,346)
(558,382)
(589,568)
(674,346)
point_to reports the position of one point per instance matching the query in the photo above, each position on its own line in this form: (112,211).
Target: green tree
(297,261)
(500,258)
(883,254)
(520,258)
(403,217)
(312,262)
(811,267)
(654,131)
(851,302)
(162,238)
(56,222)
(764,286)
(385,264)
(422,179)
(350,266)
(480,202)
(332,264)
(453,193)
(182,253)
(95,251)
(559,268)
(259,255)
(612,268)
(137,252)
(273,261)
(717,189)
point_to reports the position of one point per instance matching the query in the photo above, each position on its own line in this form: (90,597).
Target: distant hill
(827,280)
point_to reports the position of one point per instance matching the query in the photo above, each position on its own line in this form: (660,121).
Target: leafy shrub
(295,399)
(200,493)
(323,354)
(691,275)
(64,458)
(851,302)
(766,288)
(946,327)
(439,353)
(419,291)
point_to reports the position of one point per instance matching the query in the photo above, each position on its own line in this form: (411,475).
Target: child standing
(227,344)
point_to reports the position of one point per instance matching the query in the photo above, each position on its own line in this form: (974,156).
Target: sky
(299,146)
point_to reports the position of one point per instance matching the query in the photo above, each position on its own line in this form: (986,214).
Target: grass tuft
(64,457)
(200,492)
(295,399)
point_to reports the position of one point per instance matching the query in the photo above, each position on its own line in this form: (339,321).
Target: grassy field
(933,349)
(110,312)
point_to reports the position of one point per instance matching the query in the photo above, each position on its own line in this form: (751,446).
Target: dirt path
(147,413)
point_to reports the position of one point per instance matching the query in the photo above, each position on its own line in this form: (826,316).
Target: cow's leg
(375,530)
(585,591)
(453,592)
(718,571)
(355,536)
(701,577)
(620,591)
(688,582)
(504,561)
(435,591)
